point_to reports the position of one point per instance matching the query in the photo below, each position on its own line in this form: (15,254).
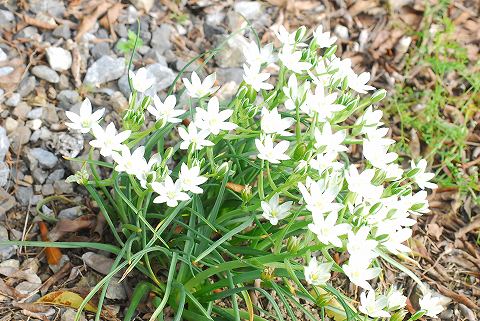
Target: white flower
(326,138)
(416,203)
(422,178)
(296,94)
(284,36)
(377,154)
(327,229)
(198,88)
(395,299)
(362,183)
(141,80)
(169,192)
(274,211)
(108,140)
(359,83)
(359,244)
(319,199)
(323,39)
(213,120)
(370,120)
(431,304)
(165,110)
(323,105)
(358,271)
(395,241)
(317,273)
(372,306)
(272,123)
(131,163)
(194,137)
(258,56)
(325,161)
(86,119)
(190,179)
(146,174)
(292,60)
(342,68)
(255,78)
(273,154)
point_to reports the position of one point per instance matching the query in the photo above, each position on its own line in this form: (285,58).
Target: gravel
(4,144)
(44,158)
(105,69)
(59,58)
(46,73)
(8,251)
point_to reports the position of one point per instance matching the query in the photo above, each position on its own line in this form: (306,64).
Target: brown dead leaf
(32,307)
(361,6)
(474,225)
(65,299)
(38,23)
(60,274)
(111,17)
(235,187)
(89,21)
(458,297)
(69,226)
(10,292)
(9,82)
(435,230)
(53,254)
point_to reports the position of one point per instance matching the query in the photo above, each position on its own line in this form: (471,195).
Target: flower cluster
(298,138)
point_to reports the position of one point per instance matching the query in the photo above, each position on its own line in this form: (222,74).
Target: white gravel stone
(59,58)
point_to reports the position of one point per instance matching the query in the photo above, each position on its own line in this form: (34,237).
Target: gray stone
(144,33)
(54,8)
(27,32)
(47,190)
(67,144)
(24,195)
(70,213)
(231,54)
(26,86)
(35,199)
(46,73)
(161,38)
(101,49)
(116,290)
(44,158)
(6,17)
(119,102)
(3,55)
(7,251)
(251,10)
(4,144)
(6,70)
(22,110)
(62,187)
(49,114)
(58,58)
(4,174)
(225,75)
(66,98)
(35,113)
(164,76)
(156,56)
(39,175)
(70,314)
(13,100)
(10,124)
(20,137)
(56,175)
(62,31)
(124,86)
(104,70)
(212,30)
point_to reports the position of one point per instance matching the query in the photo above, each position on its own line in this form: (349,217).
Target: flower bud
(222,170)
(293,244)
(80,177)
(267,274)
(300,33)
(330,51)
(398,316)
(378,95)
(246,194)
(299,152)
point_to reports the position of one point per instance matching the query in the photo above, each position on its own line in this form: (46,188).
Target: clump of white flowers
(299,142)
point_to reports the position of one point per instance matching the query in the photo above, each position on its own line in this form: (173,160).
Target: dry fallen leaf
(65,299)
(53,253)
(89,21)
